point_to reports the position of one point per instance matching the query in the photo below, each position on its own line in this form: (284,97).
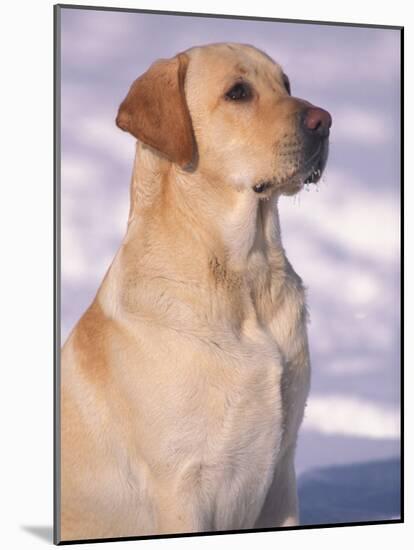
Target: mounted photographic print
(228,237)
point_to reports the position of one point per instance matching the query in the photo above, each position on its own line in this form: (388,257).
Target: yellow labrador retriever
(184,383)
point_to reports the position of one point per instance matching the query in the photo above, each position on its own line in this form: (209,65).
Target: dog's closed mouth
(314,173)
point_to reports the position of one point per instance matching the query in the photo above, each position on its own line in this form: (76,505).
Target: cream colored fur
(184,383)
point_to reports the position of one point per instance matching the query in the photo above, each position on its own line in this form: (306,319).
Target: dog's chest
(216,416)
(209,423)
(226,433)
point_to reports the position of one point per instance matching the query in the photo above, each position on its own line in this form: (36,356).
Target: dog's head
(226,111)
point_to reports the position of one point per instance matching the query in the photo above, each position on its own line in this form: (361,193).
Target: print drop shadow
(44,532)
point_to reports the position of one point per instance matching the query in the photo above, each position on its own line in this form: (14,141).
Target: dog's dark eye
(286,83)
(239,92)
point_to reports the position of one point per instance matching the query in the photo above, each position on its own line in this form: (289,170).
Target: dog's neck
(231,225)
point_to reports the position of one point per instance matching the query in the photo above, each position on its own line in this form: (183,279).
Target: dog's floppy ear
(155,110)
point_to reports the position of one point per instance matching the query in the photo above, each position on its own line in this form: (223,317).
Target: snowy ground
(343,240)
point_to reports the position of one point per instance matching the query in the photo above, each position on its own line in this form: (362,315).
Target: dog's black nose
(316,122)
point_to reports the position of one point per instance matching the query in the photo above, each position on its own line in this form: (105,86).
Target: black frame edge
(230,16)
(402,313)
(236,532)
(56,272)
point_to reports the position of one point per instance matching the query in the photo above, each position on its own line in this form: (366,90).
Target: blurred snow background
(342,238)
